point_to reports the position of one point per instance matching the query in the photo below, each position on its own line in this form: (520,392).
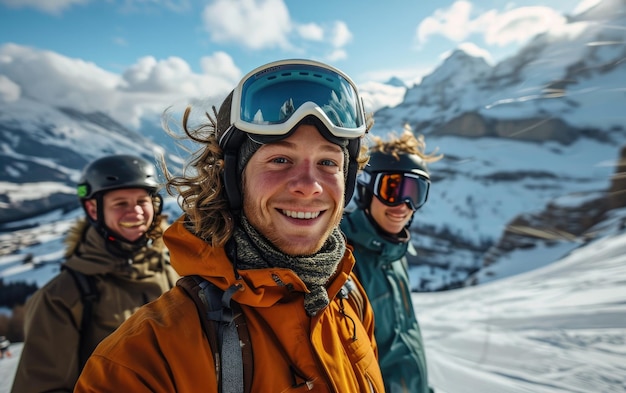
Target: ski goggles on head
(393,188)
(271,100)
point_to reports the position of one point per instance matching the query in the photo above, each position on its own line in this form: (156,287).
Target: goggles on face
(394,189)
(272,99)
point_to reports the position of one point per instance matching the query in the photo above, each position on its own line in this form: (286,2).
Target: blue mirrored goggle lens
(272,97)
(394,189)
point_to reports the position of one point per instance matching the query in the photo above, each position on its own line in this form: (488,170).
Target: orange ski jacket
(162,347)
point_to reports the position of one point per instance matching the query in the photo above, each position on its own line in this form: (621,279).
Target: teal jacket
(381,266)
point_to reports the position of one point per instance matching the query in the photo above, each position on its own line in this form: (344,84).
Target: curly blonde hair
(406,143)
(200,189)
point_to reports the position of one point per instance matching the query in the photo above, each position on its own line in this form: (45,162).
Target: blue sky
(368,40)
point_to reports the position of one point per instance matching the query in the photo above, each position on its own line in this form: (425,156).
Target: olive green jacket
(50,360)
(381,266)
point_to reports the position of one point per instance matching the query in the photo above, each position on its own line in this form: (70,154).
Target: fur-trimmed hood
(88,252)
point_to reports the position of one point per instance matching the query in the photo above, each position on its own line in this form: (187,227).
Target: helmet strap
(112,241)
(230,176)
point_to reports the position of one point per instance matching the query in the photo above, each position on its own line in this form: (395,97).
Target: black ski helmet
(385,162)
(115,172)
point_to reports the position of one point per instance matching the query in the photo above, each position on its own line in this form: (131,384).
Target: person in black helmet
(115,262)
(391,188)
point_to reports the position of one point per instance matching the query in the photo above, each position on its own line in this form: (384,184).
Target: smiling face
(127,212)
(390,219)
(294,191)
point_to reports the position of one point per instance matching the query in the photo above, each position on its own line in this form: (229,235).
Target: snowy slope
(558,329)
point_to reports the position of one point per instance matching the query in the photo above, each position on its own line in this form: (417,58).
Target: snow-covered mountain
(44,148)
(528,144)
(522,137)
(574,76)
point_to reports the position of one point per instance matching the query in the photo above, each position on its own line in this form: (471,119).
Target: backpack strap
(226,331)
(350,292)
(89,294)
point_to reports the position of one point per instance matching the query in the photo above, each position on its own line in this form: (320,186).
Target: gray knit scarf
(254,251)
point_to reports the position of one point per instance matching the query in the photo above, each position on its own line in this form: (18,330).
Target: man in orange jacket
(262,201)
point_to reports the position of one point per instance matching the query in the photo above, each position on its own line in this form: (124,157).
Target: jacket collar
(361,231)
(191,255)
(87,252)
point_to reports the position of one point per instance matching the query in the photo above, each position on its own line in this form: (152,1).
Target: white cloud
(453,23)
(340,34)
(9,90)
(336,55)
(48,6)
(221,65)
(377,95)
(521,24)
(56,7)
(265,24)
(148,74)
(255,24)
(49,77)
(514,26)
(154,84)
(311,32)
(141,92)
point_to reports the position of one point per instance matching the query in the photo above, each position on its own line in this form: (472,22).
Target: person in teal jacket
(390,189)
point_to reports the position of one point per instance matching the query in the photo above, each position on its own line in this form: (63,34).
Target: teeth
(301,215)
(131,224)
